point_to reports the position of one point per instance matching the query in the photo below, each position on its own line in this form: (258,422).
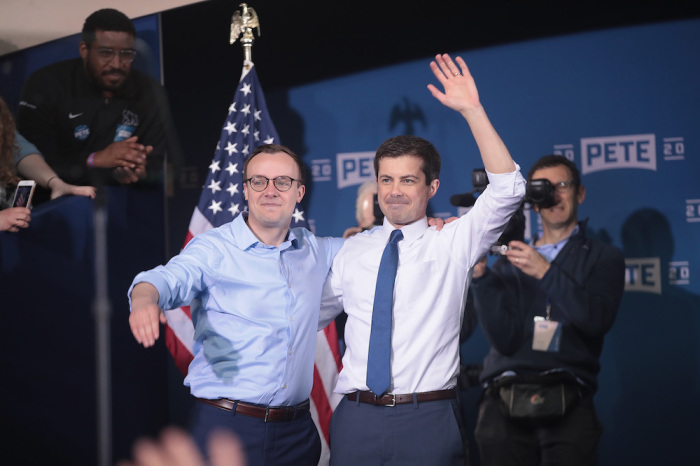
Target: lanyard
(548,310)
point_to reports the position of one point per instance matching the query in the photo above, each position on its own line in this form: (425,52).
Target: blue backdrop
(623,104)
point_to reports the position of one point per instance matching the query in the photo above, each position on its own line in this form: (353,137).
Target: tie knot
(396,236)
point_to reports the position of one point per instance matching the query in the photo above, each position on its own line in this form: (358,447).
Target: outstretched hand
(146,316)
(460,91)
(460,94)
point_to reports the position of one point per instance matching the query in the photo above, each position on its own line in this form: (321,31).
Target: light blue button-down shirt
(255,309)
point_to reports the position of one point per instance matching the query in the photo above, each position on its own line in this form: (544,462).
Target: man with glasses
(545,309)
(95,118)
(254,290)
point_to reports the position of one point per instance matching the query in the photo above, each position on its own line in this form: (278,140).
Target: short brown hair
(399,146)
(273,149)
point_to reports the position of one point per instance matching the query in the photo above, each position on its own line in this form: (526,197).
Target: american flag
(247,126)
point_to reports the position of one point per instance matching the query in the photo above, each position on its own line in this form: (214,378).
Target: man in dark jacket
(94,118)
(545,309)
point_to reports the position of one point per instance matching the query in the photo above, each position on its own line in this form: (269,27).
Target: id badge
(546,335)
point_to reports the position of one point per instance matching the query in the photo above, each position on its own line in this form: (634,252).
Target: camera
(515,228)
(479,180)
(540,192)
(514,231)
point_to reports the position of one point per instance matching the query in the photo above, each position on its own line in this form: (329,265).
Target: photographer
(545,310)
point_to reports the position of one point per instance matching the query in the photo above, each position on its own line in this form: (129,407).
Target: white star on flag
(234,209)
(298,215)
(230,127)
(214,186)
(232,189)
(231,148)
(215,206)
(232,168)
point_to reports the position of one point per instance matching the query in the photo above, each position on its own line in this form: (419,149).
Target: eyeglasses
(108,53)
(282,183)
(563,186)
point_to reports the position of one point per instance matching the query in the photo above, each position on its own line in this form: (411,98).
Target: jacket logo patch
(81,132)
(130,118)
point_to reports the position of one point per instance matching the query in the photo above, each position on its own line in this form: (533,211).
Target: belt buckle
(267,413)
(393,400)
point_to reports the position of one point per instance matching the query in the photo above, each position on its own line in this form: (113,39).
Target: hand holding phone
(24,193)
(14,219)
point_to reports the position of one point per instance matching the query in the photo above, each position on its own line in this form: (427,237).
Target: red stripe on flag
(323,406)
(180,353)
(332,337)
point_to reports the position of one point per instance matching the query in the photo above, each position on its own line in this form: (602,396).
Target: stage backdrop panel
(623,105)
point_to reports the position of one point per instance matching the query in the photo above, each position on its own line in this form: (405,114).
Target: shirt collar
(247,239)
(550,251)
(410,232)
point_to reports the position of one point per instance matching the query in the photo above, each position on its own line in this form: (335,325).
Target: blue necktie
(379,358)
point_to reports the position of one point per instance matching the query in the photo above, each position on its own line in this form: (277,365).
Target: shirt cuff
(507,184)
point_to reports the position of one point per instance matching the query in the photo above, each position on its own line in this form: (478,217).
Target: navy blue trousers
(422,434)
(293,442)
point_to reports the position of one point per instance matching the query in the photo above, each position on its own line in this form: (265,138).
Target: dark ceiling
(310,41)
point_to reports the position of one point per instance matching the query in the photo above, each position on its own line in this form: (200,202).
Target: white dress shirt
(429,295)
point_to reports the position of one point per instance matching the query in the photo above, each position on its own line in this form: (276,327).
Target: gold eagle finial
(243,24)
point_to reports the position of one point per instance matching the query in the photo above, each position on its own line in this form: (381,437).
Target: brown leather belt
(269,414)
(392,399)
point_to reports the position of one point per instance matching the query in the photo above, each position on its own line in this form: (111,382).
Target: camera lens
(540,192)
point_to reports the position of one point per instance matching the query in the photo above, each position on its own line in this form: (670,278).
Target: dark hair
(106,19)
(273,149)
(399,146)
(554,161)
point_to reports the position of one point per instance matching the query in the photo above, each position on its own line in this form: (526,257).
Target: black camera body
(515,230)
(480,180)
(540,192)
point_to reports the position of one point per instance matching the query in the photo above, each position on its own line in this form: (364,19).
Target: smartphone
(24,193)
